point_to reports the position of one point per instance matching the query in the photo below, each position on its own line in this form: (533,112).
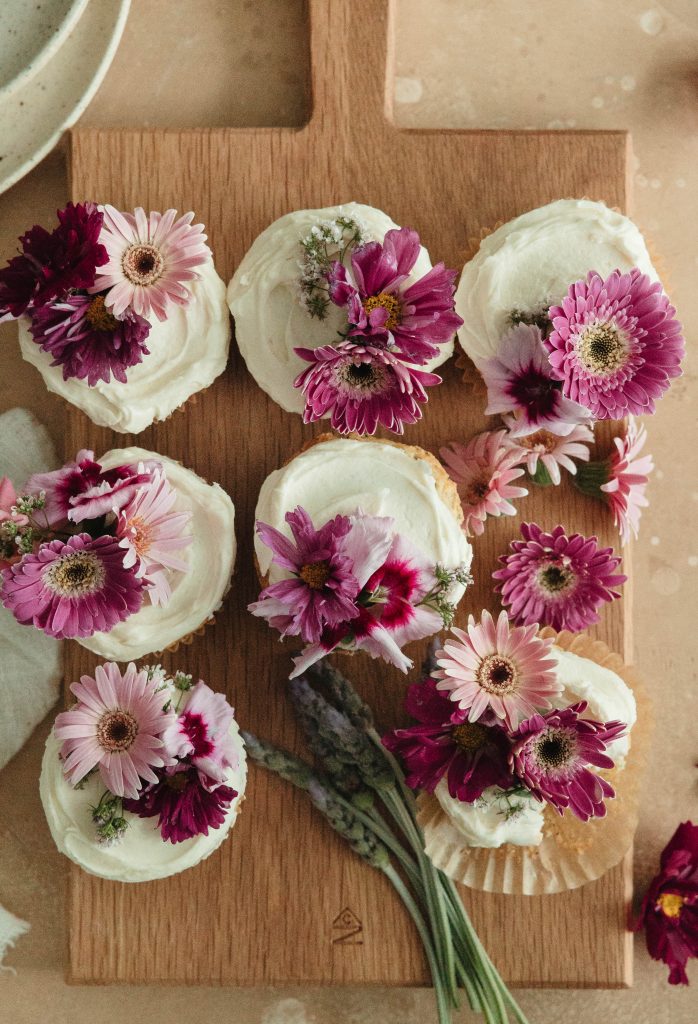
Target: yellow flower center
(602,348)
(497,675)
(75,574)
(470,736)
(140,535)
(315,574)
(384,300)
(542,440)
(99,317)
(670,904)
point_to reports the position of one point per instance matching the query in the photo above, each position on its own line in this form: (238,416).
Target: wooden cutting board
(284,900)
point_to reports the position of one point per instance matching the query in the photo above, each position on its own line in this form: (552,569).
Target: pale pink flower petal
(483,471)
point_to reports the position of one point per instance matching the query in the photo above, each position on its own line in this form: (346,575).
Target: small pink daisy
(150,532)
(116,725)
(550,450)
(555,580)
(361,387)
(483,471)
(494,667)
(627,480)
(151,259)
(615,343)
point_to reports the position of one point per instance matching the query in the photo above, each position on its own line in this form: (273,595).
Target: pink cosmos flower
(87,340)
(627,480)
(184,806)
(555,754)
(471,756)
(151,259)
(550,450)
(669,912)
(116,725)
(53,263)
(496,668)
(150,532)
(83,490)
(323,584)
(361,386)
(483,471)
(557,580)
(73,588)
(522,387)
(418,318)
(201,734)
(615,344)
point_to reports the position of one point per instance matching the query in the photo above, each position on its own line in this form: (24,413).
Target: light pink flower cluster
(394,325)
(83,547)
(355,584)
(484,470)
(162,746)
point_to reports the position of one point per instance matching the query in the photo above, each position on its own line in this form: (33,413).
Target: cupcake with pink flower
(144,775)
(122,313)
(359,547)
(128,554)
(565,318)
(340,315)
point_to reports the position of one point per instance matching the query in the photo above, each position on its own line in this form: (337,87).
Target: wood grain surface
(284,900)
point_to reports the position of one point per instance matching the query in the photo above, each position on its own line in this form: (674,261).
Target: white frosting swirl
(196,594)
(488,821)
(187,352)
(531,261)
(343,474)
(264,298)
(142,855)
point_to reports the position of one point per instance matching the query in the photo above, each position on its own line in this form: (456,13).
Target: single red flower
(669,911)
(184,806)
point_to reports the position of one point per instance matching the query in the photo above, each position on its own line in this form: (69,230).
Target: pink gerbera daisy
(73,588)
(494,667)
(361,387)
(557,580)
(183,805)
(418,317)
(483,471)
(150,532)
(116,725)
(627,480)
(201,733)
(522,387)
(555,755)
(151,259)
(615,344)
(550,451)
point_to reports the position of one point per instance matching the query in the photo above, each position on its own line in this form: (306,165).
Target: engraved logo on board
(347,929)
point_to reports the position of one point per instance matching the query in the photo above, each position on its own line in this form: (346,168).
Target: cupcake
(127,555)
(338,312)
(565,318)
(359,545)
(144,775)
(123,314)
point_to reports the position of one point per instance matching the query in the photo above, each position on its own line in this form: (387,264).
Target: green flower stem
(441,999)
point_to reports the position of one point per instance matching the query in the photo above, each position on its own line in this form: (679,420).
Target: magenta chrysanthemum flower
(522,387)
(627,480)
(550,450)
(151,259)
(615,344)
(116,725)
(483,471)
(151,533)
(471,755)
(555,754)
(184,807)
(418,318)
(557,580)
(53,263)
(361,387)
(72,588)
(322,587)
(201,734)
(87,340)
(494,667)
(83,490)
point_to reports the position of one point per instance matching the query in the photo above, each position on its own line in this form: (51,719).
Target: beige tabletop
(460,63)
